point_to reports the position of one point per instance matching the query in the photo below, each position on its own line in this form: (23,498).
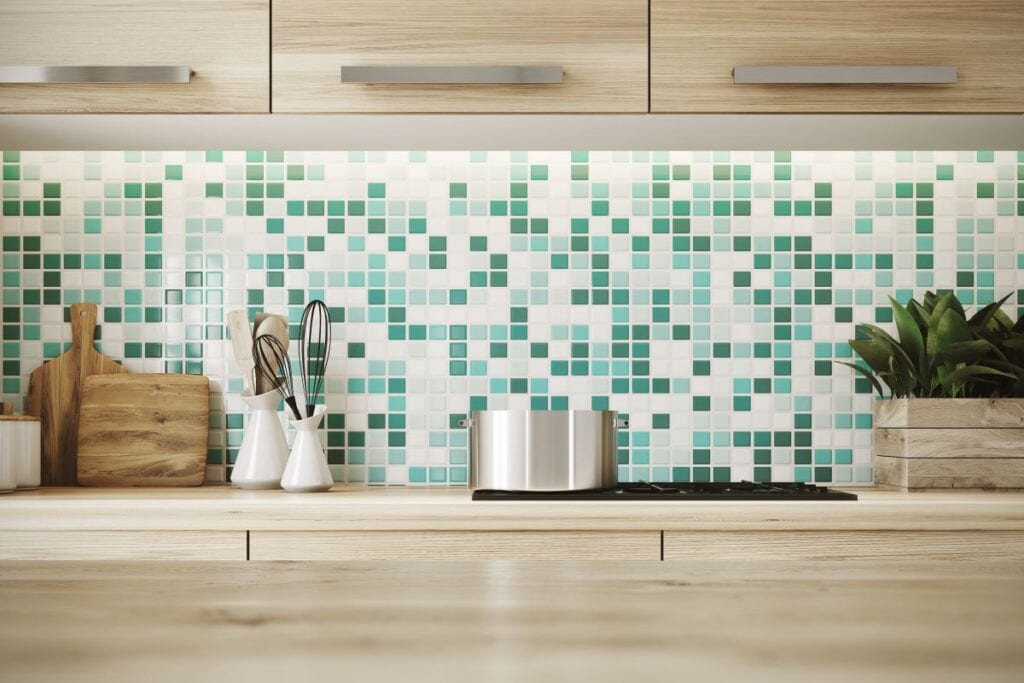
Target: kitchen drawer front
(844,545)
(695,44)
(122,545)
(224,43)
(455,545)
(601,46)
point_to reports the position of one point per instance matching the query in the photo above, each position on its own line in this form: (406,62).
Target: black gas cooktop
(642,490)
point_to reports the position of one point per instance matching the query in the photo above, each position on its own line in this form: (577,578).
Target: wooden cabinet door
(871,546)
(225,45)
(122,545)
(599,45)
(455,545)
(696,45)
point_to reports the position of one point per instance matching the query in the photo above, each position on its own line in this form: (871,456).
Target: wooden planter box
(942,443)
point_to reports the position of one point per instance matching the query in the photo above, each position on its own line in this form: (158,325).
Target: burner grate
(644,490)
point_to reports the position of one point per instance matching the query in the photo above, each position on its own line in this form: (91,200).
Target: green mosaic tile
(530,299)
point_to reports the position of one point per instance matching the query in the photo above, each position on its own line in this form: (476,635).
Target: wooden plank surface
(601,44)
(122,545)
(845,546)
(947,473)
(950,413)
(888,621)
(54,395)
(226,43)
(455,545)
(143,430)
(405,509)
(695,44)
(950,443)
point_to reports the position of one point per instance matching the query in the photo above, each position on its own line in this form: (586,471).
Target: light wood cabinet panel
(695,44)
(122,545)
(870,546)
(454,545)
(601,45)
(226,44)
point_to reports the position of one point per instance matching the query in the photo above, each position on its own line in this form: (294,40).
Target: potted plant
(955,418)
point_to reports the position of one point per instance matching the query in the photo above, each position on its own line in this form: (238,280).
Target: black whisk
(314,350)
(273,365)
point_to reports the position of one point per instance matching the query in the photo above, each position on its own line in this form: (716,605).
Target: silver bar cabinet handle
(843,75)
(95,74)
(451,74)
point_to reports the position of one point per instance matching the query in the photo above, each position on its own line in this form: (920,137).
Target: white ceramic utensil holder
(307,469)
(8,460)
(19,449)
(264,451)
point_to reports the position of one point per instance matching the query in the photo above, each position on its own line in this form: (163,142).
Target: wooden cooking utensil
(143,430)
(241,343)
(54,390)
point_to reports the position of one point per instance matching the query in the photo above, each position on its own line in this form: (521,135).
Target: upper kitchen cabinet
(458,56)
(134,56)
(819,56)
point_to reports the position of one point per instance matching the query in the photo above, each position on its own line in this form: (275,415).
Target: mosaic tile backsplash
(705,295)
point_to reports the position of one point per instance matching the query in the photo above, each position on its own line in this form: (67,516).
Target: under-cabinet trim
(429,132)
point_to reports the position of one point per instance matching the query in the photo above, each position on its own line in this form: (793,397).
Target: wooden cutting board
(143,430)
(54,390)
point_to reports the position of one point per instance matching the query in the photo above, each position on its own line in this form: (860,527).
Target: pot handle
(622,423)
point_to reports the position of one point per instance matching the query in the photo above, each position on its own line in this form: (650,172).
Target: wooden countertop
(229,508)
(888,620)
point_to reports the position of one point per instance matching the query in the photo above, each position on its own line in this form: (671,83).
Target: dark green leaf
(910,334)
(984,315)
(971,371)
(867,373)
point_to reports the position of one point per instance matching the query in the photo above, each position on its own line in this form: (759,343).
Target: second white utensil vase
(307,469)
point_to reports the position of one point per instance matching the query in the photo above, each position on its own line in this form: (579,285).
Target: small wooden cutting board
(143,430)
(54,390)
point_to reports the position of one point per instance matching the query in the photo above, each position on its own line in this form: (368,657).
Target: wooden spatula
(241,343)
(54,392)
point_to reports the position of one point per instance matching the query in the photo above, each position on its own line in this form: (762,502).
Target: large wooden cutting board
(54,389)
(143,430)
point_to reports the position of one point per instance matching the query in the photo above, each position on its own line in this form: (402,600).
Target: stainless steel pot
(543,450)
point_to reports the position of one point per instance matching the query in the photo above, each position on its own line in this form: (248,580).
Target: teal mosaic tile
(704,294)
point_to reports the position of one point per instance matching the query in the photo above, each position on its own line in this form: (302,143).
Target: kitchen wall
(704,294)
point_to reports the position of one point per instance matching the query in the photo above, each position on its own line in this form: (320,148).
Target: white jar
(19,449)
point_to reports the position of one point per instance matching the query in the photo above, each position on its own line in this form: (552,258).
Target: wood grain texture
(455,545)
(950,413)
(695,44)
(143,430)
(404,509)
(241,344)
(917,474)
(54,392)
(950,443)
(890,621)
(225,43)
(602,45)
(845,546)
(122,545)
